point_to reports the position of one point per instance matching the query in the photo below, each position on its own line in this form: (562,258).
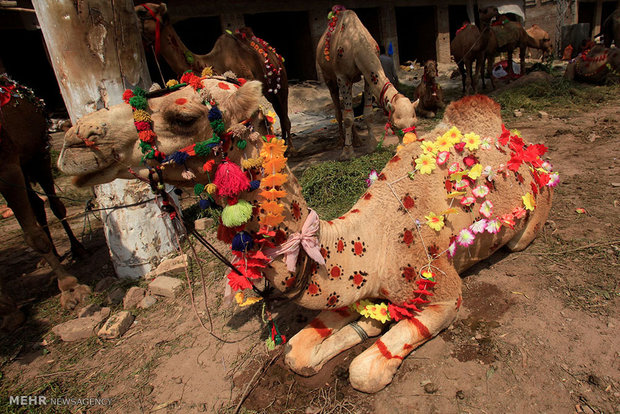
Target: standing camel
(242,53)
(437,208)
(469,45)
(345,53)
(542,37)
(24,145)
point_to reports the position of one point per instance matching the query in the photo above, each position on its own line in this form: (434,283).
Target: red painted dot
(223,85)
(359,248)
(335,272)
(358,279)
(332,300)
(367,196)
(395,158)
(313,289)
(340,246)
(180,101)
(408,202)
(290,282)
(408,237)
(409,274)
(382,177)
(323,252)
(341,218)
(355,210)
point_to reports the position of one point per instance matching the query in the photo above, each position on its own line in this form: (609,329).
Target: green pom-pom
(218,126)
(214,140)
(202,149)
(144,147)
(236,215)
(199,188)
(189,57)
(138,102)
(241,144)
(138,91)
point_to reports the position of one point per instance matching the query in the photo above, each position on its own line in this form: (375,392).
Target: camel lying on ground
(543,39)
(438,207)
(24,145)
(429,92)
(469,45)
(242,53)
(599,65)
(345,53)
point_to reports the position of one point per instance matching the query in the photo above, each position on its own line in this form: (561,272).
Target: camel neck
(176,53)
(385,94)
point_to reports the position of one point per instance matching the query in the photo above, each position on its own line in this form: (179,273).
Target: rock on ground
(116,326)
(133,296)
(170,267)
(147,302)
(166,286)
(83,327)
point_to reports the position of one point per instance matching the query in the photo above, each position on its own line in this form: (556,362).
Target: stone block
(166,286)
(116,326)
(133,296)
(169,267)
(147,302)
(83,327)
(203,223)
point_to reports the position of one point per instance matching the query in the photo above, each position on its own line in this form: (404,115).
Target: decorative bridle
(157,28)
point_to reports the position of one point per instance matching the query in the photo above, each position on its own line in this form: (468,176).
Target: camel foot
(347,153)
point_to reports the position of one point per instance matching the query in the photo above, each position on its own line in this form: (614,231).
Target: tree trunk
(96,51)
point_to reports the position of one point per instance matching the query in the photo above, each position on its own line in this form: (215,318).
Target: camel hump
(475,113)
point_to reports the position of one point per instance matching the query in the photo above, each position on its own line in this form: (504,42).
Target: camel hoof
(72,297)
(347,153)
(371,374)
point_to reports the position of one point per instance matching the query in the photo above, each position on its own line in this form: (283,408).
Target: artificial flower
(449,211)
(242,301)
(442,157)
(580,210)
(554,179)
(272,149)
(360,305)
(547,166)
(475,172)
(273,180)
(470,160)
(409,138)
(481,191)
(459,147)
(472,141)
(399,148)
(465,238)
(372,177)
(425,163)
(461,184)
(489,173)
(518,212)
(493,226)
(452,248)
(434,221)
(516,133)
(271,219)
(455,194)
(468,201)
(428,275)
(529,201)
(486,209)
(377,311)
(478,226)
(508,220)
(272,207)
(485,143)
(453,135)
(272,194)
(274,165)
(443,143)
(428,147)
(454,168)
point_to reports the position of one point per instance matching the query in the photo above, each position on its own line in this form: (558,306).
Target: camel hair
(468,47)
(242,53)
(438,207)
(345,53)
(24,145)
(429,92)
(542,37)
(598,65)
(506,37)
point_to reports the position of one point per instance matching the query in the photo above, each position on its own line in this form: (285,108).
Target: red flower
(459,147)
(505,136)
(147,136)
(127,95)
(470,160)
(238,282)
(142,125)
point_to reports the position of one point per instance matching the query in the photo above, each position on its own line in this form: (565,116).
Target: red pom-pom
(127,95)
(208,166)
(242,81)
(230,179)
(147,136)
(142,125)
(187,77)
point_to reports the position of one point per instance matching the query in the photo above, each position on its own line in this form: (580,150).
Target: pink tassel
(230,179)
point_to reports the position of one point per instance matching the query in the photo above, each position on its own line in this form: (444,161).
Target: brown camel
(24,145)
(469,45)
(599,65)
(542,37)
(429,92)
(611,28)
(345,53)
(438,207)
(506,37)
(242,53)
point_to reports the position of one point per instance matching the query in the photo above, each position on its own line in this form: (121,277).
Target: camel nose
(84,134)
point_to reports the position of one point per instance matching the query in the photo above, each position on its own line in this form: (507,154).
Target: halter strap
(157,28)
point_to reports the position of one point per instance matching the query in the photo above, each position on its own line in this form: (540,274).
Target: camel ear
(415,104)
(243,103)
(163,9)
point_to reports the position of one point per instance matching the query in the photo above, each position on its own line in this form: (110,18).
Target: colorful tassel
(242,242)
(230,179)
(236,215)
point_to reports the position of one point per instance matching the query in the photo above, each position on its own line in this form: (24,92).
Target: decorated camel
(24,145)
(598,65)
(543,39)
(506,36)
(243,53)
(468,47)
(611,28)
(345,53)
(439,206)
(428,92)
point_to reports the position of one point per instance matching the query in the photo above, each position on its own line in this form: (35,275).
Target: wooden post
(598,13)
(96,51)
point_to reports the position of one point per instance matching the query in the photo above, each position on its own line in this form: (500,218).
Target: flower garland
(143,123)
(272,72)
(331,26)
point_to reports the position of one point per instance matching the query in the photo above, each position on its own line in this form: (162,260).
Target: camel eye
(184,120)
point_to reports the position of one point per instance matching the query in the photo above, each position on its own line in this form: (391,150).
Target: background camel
(429,92)
(598,65)
(542,37)
(611,28)
(345,53)
(24,145)
(402,244)
(242,53)
(468,47)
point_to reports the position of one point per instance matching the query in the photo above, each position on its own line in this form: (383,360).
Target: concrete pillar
(443,34)
(598,13)
(575,12)
(317,19)
(232,21)
(388,31)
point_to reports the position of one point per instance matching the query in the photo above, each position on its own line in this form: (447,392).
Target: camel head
(152,18)
(487,14)
(104,145)
(430,71)
(402,112)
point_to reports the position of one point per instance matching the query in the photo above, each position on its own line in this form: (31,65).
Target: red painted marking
(290,282)
(355,210)
(459,301)
(384,292)
(408,237)
(340,246)
(180,101)
(358,279)
(223,85)
(409,273)
(330,222)
(422,330)
(395,158)
(335,272)
(408,202)
(313,289)
(343,311)
(407,347)
(367,196)
(382,177)
(324,252)
(341,217)
(384,351)
(358,248)
(320,328)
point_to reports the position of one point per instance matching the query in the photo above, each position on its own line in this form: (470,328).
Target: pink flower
(465,238)
(519,212)
(442,157)
(467,201)
(481,191)
(372,177)
(452,248)
(493,226)
(486,209)
(478,226)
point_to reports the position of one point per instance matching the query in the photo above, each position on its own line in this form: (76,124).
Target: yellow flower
(211,188)
(516,132)
(472,141)
(453,135)
(171,82)
(206,72)
(251,163)
(455,194)
(377,311)
(400,147)
(409,138)
(425,163)
(529,202)
(361,305)
(275,148)
(428,147)
(443,143)
(475,171)
(242,301)
(434,221)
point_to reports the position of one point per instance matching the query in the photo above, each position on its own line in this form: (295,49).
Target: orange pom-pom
(273,180)
(147,136)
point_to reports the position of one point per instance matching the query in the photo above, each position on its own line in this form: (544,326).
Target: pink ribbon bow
(306,239)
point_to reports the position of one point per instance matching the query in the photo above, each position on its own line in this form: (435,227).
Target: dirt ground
(538,330)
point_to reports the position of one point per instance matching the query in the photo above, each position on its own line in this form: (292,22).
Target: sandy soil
(537,332)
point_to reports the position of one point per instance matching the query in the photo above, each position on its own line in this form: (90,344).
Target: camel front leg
(368,109)
(303,348)
(345,87)
(373,369)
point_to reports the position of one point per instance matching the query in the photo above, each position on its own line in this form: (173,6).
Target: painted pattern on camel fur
(377,250)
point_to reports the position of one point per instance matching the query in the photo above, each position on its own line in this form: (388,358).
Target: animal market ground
(538,331)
